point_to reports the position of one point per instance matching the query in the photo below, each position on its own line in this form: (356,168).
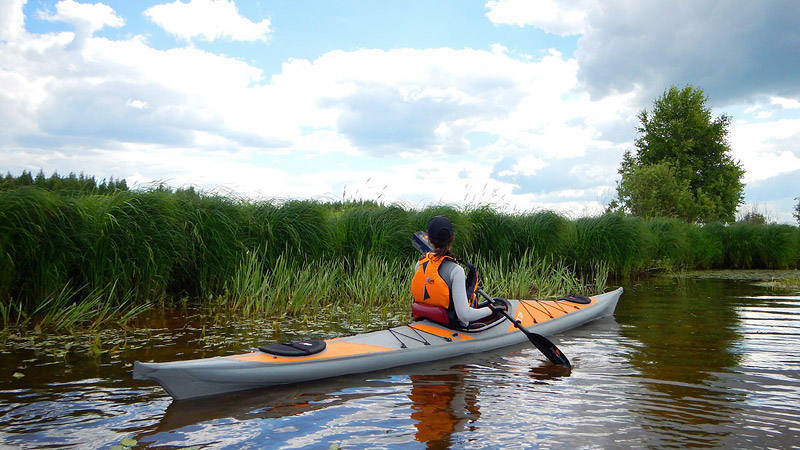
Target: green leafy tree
(682,166)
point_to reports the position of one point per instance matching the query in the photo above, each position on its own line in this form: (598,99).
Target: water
(684,363)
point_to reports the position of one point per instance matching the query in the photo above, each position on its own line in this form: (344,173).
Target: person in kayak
(440,282)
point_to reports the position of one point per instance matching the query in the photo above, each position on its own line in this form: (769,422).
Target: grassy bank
(110,254)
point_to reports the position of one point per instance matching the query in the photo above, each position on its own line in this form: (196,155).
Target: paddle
(548,349)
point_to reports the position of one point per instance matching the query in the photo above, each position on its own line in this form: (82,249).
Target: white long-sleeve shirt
(453,274)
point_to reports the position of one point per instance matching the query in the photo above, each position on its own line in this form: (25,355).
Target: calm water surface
(684,363)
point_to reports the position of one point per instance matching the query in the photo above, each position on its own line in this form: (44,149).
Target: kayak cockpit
(421,311)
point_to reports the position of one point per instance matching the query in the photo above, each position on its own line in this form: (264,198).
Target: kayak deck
(417,342)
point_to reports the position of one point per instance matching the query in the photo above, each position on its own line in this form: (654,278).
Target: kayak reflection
(442,405)
(277,402)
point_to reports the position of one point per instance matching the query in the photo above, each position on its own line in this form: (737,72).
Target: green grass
(69,261)
(530,277)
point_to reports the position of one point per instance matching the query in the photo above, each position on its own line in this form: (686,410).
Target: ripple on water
(682,365)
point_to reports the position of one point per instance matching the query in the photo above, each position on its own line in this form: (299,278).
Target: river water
(683,363)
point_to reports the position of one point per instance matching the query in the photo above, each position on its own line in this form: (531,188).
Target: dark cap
(440,230)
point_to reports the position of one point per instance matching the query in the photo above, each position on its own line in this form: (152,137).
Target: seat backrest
(434,313)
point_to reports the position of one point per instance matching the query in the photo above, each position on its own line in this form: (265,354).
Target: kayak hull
(417,342)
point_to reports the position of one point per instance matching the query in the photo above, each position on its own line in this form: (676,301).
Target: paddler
(440,281)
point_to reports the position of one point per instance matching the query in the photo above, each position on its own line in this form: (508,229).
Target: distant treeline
(163,243)
(75,184)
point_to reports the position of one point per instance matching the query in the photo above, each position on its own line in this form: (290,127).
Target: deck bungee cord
(403,344)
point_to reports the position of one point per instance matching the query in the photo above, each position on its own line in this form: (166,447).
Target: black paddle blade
(420,242)
(548,349)
(544,345)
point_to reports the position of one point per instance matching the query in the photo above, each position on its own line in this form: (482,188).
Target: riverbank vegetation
(89,259)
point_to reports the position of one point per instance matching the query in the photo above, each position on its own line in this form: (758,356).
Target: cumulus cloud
(209,20)
(12,20)
(561,18)
(766,149)
(86,18)
(785,103)
(190,115)
(213,115)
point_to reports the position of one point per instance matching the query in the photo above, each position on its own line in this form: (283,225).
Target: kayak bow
(417,342)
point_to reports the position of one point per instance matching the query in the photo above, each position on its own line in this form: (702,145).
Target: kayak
(420,341)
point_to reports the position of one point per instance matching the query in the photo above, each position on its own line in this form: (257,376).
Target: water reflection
(683,364)
(546,372)
(275,402)
(690,337)
(442,405)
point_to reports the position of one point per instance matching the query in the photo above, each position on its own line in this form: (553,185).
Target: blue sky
(522,104)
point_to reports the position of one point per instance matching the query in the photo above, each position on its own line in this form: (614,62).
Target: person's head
(441,234)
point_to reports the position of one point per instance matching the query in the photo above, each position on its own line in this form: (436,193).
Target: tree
(796,213)
(682,166)
(656,191)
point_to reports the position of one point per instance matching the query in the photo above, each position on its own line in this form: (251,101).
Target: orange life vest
(429,287)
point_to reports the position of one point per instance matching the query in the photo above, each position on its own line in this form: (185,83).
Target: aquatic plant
(79,257)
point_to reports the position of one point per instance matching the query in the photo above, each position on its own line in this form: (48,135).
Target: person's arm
(464,312)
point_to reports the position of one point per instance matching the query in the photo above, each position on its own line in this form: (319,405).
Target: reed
(70,310)
(76,251)
(36,227)
(285,287)
(761,246)
(375,282)
(369,228)
(530,277)
(622,242)
(495,235)
(546,234)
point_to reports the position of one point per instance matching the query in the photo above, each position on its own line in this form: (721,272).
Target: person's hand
(499,305)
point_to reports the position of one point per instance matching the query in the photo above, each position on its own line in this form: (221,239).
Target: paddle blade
(548,349)
(420,242)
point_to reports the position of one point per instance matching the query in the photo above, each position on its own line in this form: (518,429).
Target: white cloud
(86,18)
(561,18)
(12,20)
(785,103)
(207,19)
(184,115)
(124,108)
(766,149)
(528,165)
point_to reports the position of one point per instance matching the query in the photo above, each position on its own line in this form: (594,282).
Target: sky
(524,105)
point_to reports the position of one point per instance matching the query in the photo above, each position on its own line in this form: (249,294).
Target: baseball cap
(440,230)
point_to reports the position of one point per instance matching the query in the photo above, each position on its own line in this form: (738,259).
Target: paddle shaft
(544,345)
(548,349)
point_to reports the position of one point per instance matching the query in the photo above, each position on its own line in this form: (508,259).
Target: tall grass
(622,242)
(137,248)
(529,277)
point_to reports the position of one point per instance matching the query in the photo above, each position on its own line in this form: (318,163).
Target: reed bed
(91,259)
